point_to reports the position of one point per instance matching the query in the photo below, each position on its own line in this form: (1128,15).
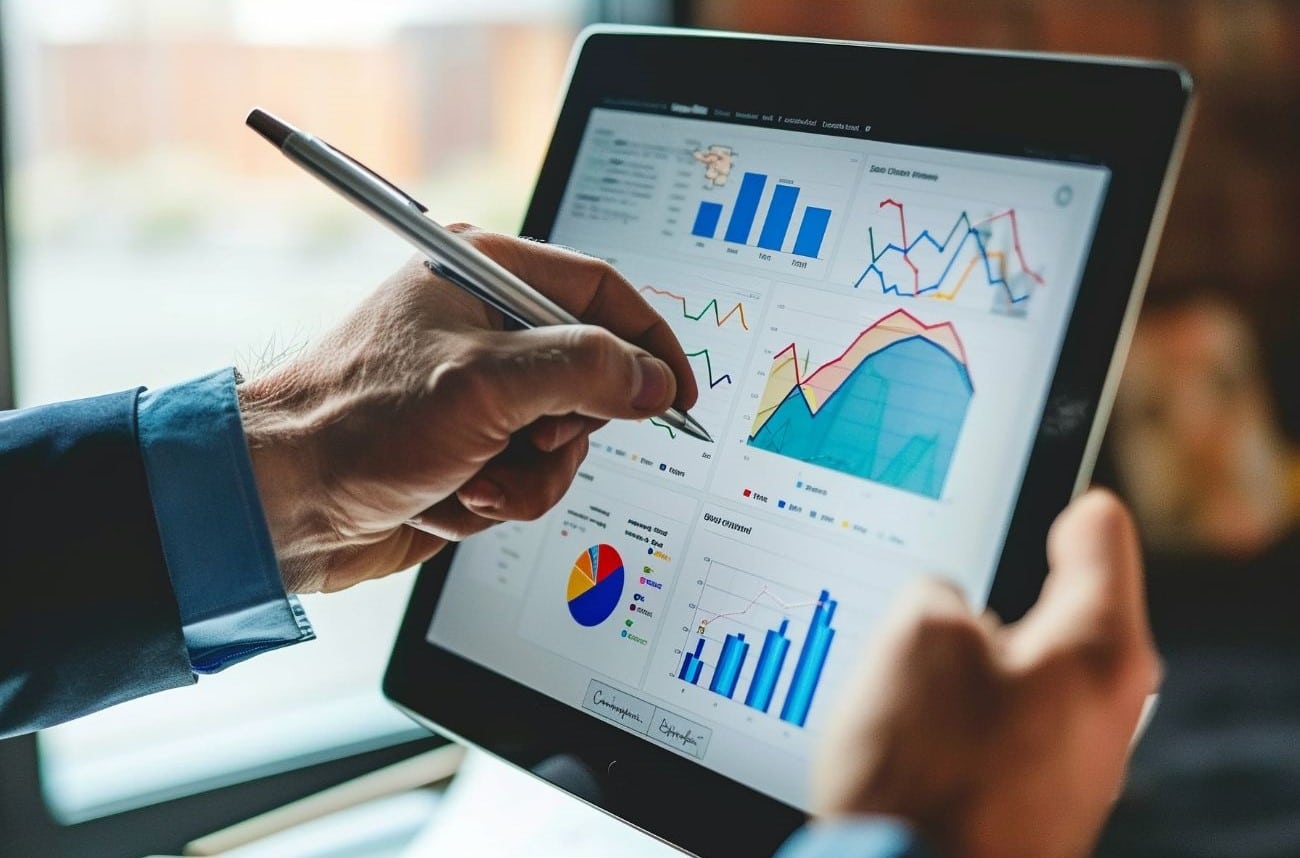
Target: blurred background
(134,194)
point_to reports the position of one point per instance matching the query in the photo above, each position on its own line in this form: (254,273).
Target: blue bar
(734,650)
(812,229)
(692,661)
(777,222)
(706,220)
(770,661)
(694,676)
(686,667)
(742,216)
(812,659)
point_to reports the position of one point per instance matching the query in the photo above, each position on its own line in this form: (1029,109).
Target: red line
(902,227)
(1015,241)
(754,601)
(879,323)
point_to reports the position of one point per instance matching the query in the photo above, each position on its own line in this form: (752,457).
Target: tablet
(905,279)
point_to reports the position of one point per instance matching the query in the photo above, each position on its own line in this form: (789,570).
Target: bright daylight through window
(155,238)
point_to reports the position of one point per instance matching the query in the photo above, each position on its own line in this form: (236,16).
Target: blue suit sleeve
(864,837)
(87,615)
(211,525)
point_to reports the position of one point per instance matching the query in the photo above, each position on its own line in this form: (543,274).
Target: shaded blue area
(895,420)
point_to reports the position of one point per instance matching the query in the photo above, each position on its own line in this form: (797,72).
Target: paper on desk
(494,811)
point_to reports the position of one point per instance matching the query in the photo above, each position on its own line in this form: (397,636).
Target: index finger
(592,290)
(1094,595)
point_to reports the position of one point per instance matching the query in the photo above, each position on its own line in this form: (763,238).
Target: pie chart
(595,585)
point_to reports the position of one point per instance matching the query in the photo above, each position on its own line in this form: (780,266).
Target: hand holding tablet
(1025,755)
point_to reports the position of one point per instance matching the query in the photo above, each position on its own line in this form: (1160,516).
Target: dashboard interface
(874,328)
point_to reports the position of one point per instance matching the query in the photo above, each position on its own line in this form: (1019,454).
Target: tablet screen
(874,328)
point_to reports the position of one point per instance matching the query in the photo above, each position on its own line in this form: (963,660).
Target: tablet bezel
(1130,116)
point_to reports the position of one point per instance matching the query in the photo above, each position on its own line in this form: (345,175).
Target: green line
(664,426)
(709,365)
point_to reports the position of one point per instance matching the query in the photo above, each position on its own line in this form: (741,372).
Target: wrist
(286,471)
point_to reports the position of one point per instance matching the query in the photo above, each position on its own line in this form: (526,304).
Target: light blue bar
(694,676)
(706,220)
(691,663)
(812,229)
(812,659)
(742,216)
(770,662)
(777,222)
(734,650)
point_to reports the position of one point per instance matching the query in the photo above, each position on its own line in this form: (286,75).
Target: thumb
(1094,594)
(571,369)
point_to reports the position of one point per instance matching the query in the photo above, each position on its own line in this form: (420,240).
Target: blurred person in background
(1200,453)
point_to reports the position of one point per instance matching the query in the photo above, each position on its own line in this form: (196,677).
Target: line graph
(889,408)
(922,265)
(713,380)
(737,311)
(763,593)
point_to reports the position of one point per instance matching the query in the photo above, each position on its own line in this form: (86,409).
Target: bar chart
(745,634)
(774,233)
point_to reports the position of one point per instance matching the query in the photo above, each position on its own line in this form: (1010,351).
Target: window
(153,238)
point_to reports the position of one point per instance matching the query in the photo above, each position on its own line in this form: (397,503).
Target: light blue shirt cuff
(210,522)
(863,837)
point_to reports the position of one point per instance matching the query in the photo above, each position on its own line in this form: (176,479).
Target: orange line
(721,320)
(961,281)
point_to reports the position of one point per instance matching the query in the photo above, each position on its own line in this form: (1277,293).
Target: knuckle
(593,346)
(468,381)
(494,244)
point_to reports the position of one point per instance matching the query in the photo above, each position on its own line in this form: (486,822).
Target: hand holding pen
(452,258)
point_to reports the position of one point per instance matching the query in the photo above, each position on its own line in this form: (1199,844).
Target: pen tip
(269,126)
(693,427)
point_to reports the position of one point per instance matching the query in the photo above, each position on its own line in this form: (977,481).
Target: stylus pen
(449,255)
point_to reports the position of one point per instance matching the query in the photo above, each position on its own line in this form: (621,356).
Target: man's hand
(420,420)
(996,740)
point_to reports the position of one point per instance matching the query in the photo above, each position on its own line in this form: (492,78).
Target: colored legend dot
(748,492)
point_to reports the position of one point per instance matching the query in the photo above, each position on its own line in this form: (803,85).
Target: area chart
(888,409)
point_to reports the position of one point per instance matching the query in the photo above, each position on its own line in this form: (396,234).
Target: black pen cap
(269,127)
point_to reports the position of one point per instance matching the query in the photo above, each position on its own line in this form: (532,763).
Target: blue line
(942,248)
